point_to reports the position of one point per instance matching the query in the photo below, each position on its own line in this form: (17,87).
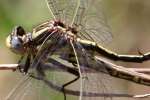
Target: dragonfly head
(15,40)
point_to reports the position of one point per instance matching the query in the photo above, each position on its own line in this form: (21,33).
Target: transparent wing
(85,15)
(93,82)
(29,88)
(50,47)
(32,88)
(57,51)
(96,78)
(63,10)
(91,21)
(21,84)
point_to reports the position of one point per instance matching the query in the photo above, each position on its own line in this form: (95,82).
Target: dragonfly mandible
(59,40)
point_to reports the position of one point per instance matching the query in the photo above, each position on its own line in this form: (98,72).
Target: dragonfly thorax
(67,31)
(67,28)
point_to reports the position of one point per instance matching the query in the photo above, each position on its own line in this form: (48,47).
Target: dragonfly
(69,43)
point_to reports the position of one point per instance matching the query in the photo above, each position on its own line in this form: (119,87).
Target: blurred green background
(129,21)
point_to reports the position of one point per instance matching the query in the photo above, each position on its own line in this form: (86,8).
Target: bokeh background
(129,21)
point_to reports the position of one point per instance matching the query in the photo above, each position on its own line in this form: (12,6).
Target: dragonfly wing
(93,82)
(33,88)
(50,48)
(14,92)
(91,22)
(27,89)
(63,10)
(86,15)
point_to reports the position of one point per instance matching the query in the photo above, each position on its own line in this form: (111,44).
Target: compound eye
(20,31)
(16,42)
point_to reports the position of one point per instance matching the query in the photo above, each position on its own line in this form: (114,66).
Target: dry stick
(141,70)
(13,67)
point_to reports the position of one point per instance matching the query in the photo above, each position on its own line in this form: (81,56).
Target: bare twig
(13,67)
(141,70)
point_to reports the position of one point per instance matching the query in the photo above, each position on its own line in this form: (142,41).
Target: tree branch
(13,67)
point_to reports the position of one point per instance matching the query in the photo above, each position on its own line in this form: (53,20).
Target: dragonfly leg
(68,83)
(19,62)
(27,64)
(40,70)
